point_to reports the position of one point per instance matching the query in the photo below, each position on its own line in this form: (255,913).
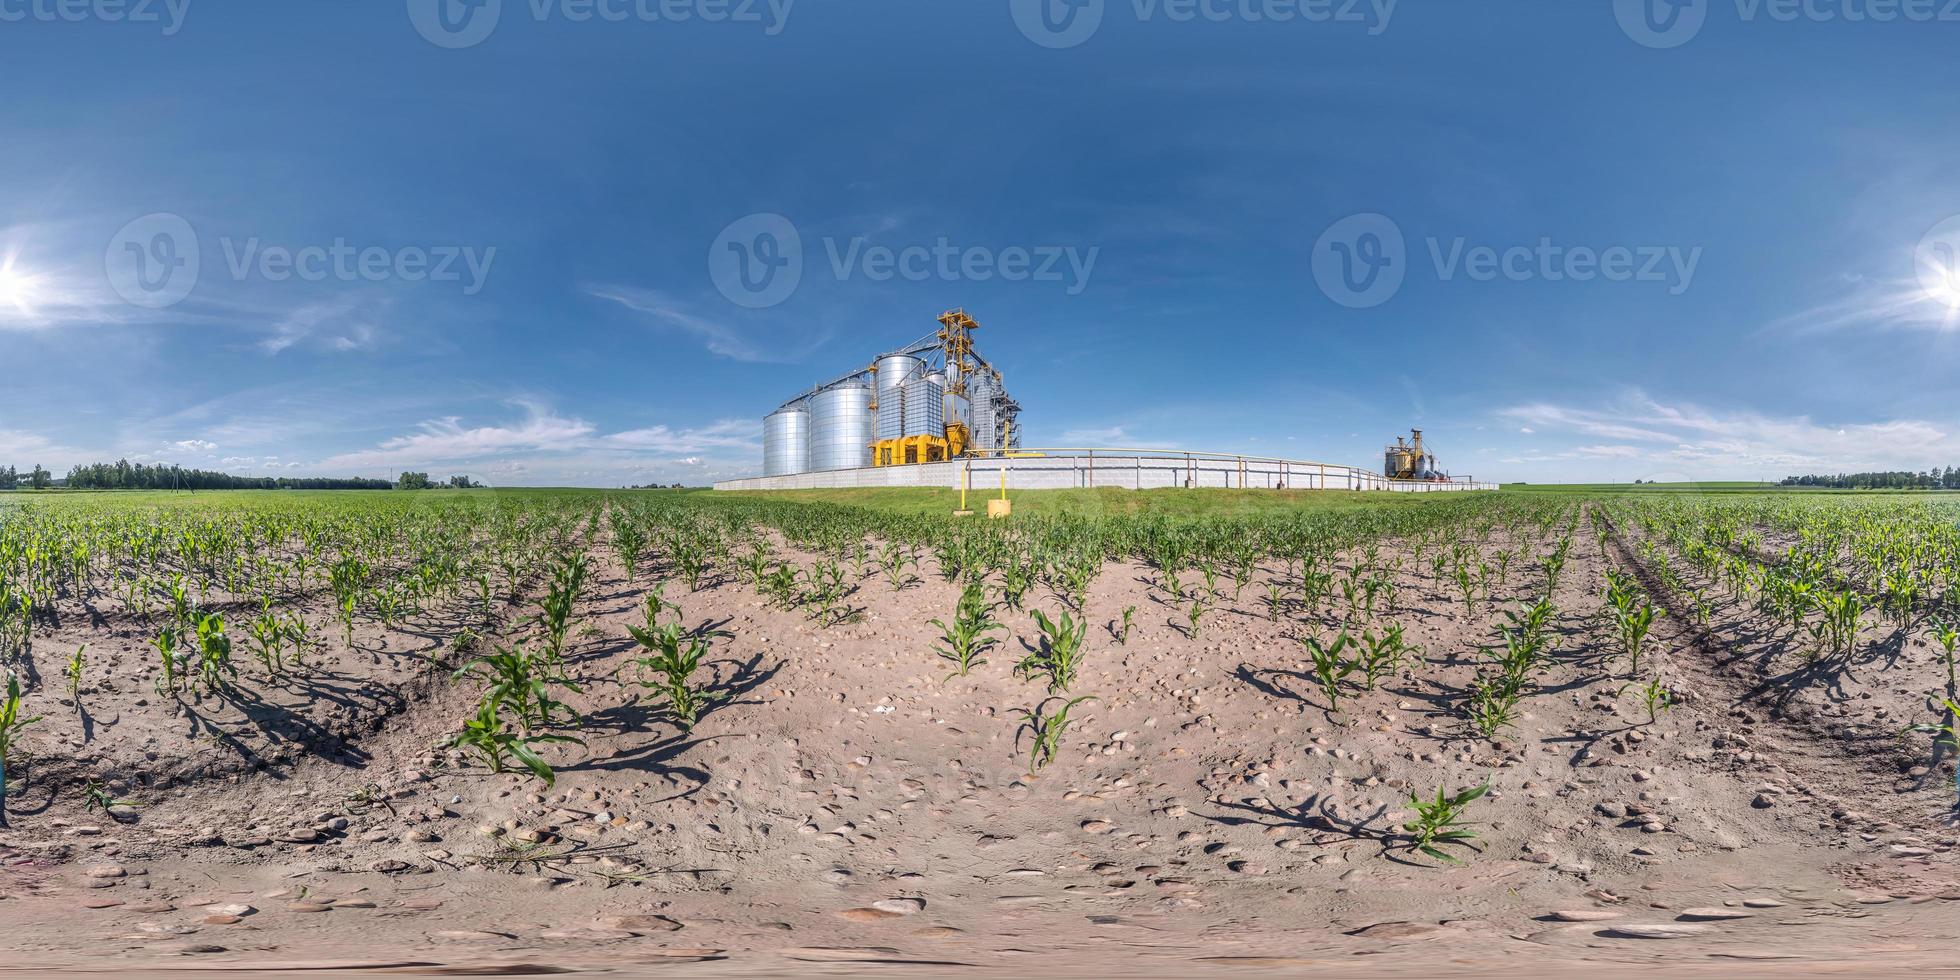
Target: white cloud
(731,434)
(446,440)
(1697,442)
(547,447)
(341,326)
(718,337)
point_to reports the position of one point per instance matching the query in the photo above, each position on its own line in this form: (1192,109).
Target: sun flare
(17,289)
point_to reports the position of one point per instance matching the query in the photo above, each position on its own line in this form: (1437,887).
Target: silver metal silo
(786,441)
(980,409)
(894,373)
(925,407)
(841,427)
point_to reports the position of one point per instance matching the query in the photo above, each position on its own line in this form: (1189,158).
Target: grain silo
(786,441)
(841,427)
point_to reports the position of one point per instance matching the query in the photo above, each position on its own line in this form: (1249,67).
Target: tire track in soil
(1846,778)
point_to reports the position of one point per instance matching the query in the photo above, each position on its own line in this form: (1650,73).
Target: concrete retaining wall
(1121,471)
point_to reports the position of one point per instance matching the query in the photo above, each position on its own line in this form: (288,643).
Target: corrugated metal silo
(786,441)
(894,373)
(925,407)
(841,427)
(980,398)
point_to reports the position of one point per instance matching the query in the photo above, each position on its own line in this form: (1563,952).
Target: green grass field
(1169,502)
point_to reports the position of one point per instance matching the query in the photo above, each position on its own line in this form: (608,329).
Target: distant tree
(9,480)
(463,483)
(413,481)
(40,479)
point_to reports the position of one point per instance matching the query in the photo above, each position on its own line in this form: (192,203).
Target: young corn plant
(669,669)
(1633,621)
(12,720)
(73,671)
(1129,619)
(1494,703)
(1383,654)
(1440,821)
(561,598)
(629,540)
(95,797)
(1046,730)
(966,639)
(1060,653)
(1946,735)
(214,667)
(1331,666)
(827,587)
(521,681)
(171,660)
(1836,630)
(486,734)
(1653,696)
(1196,614)
(268,635)
(897,564)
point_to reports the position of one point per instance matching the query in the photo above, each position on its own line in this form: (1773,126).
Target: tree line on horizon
(124,475)
(1933,479)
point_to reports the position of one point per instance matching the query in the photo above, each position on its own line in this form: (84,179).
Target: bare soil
(850,808)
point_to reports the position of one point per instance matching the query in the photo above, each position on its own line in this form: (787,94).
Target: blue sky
(1725,241)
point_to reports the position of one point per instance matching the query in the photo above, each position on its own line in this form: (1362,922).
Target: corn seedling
(1653,696)
(1946,734)
(214,667)
(1440,821)
(1196,614)
(171,660)
(485,734)
(966,639)
(77,665)
(1330,665)
(674,663)
(561,597)
(97,798)
(1383,654)
(12,720)
(1129,619)
(1060,653)
(521,682)
(1046,730)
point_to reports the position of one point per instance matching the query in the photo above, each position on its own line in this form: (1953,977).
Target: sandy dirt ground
(850,809)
